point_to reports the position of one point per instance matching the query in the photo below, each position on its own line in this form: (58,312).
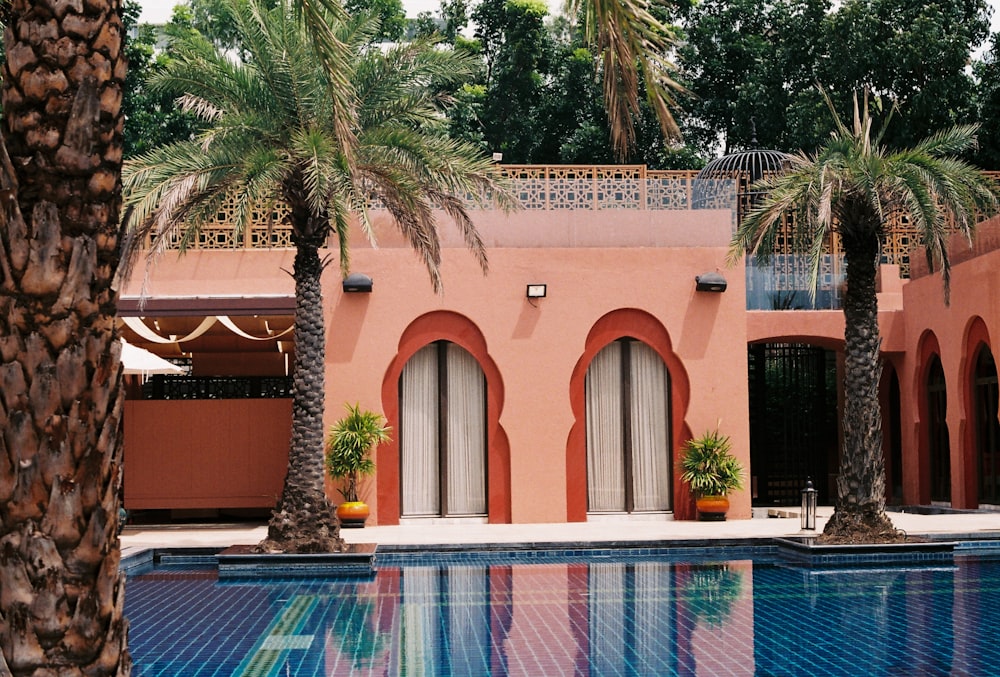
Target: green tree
(632,44)
(61,400)
(210,18)
(389,13)
(278,134)
(455,14)
(987,75)
(151,120)
(516,49)
(849,187)
(423,26)
(752,67)
(914,53)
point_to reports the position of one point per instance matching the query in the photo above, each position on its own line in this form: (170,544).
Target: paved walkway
(967,525)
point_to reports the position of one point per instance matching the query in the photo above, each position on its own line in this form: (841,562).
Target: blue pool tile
(606,611)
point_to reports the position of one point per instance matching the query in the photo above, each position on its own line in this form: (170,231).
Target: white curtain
(421,622)
(605,461)
(469,620)
(650,429)
(607,619)
(653,618)
(466,434)
(418,434)
(465,427)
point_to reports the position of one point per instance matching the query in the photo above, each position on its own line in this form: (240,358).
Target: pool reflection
(585,617)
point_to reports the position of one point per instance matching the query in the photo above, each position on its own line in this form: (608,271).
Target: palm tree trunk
(303,520)
(860,507)
(61,607)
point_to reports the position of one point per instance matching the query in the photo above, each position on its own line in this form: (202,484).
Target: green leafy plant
(355,628)
(349,447)
(709,467)
(712,591)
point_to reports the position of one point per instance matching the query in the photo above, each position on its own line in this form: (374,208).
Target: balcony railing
(537,187)
(608,188)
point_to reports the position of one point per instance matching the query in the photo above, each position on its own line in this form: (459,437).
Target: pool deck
(982,525)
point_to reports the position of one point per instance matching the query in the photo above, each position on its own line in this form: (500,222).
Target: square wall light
(536,291)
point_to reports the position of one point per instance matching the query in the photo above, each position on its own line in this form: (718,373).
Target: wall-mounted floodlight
(357,282)
(536,291)
(710,282)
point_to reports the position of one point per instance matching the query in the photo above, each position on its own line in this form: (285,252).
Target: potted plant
(348,458)
(711,591)
(710,469)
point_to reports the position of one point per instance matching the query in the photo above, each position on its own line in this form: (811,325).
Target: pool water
(608,613)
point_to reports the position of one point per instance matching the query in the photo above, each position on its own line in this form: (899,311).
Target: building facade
(561,385)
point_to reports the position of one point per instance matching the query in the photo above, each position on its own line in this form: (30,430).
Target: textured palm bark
(859,513)
(61,594)
(304,520)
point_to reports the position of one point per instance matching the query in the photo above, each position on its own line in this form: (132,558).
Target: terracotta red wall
(205,453)
(953,331)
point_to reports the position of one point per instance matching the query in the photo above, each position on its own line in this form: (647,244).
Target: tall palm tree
(279,135)
(849,187)
(60,375)
(631,44)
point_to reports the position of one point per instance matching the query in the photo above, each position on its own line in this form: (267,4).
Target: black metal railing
(162,387)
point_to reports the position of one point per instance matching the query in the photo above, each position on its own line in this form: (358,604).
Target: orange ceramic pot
(712,508)
(352,514)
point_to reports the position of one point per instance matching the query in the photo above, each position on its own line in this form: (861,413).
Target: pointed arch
(460,330)
(620,324)
(980,428)
(932,427)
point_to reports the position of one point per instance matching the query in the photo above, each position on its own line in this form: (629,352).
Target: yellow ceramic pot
(352,514)
(712,508)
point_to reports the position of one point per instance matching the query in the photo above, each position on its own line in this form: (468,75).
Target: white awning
(137,360)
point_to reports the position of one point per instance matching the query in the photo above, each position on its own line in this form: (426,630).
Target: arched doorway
(442,433)
(892,435)
(793,421)
(627,391)
(985,397)
(939,447)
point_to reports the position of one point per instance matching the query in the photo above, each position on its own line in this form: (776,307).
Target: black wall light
(357,282)
(710,282)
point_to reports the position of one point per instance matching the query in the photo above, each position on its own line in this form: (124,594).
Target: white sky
(159,11)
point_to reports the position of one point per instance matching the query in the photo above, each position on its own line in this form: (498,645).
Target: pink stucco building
(570,405)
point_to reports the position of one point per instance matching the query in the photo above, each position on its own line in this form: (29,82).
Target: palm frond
(854,185)
(631,43)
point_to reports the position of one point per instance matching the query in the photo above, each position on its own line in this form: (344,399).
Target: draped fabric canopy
(140,361)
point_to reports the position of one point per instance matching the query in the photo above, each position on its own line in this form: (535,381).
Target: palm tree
(849,187)
(60,375)
(631,43)
(278,135)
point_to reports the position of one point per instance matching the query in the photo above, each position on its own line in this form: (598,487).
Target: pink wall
(536,350)
(632,270)
(205,453)
(609,273)
(953,331)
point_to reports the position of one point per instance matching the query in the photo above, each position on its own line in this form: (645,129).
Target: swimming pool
(598,613)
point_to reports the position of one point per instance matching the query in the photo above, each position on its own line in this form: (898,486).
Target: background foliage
(750,67)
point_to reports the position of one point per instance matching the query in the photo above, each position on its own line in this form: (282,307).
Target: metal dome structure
(745,168)
(754,164)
